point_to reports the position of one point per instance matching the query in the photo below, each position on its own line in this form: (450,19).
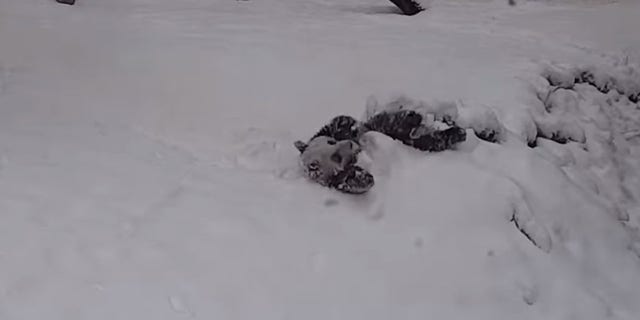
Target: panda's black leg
(438,140)
(341,128)
(397,125)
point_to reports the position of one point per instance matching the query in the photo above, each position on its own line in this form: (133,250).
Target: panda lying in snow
(329,158)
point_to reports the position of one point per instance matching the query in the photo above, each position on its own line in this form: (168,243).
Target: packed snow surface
(147,167)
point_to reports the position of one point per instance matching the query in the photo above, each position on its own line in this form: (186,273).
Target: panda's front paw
(456,135)
(354,180)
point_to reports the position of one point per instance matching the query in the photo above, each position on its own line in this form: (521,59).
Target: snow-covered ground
(147,169)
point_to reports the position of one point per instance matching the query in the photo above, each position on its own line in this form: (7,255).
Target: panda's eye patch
(331,142)
(336,158)
(313,166)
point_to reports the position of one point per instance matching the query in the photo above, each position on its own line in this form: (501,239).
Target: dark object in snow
(408,7)
(558,137)
(330,156)
(69,2)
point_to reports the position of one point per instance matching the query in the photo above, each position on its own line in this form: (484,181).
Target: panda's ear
(301,146)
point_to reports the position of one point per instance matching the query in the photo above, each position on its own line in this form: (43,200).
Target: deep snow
(147,169)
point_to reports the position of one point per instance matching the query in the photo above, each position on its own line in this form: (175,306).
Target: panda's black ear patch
(301,146)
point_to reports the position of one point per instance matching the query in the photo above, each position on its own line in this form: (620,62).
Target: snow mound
(615,73)
(593,110)
(483,121)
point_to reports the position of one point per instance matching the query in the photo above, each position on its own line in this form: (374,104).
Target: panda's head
(323,158)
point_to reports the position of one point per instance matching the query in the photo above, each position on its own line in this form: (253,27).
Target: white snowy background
(147,169)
